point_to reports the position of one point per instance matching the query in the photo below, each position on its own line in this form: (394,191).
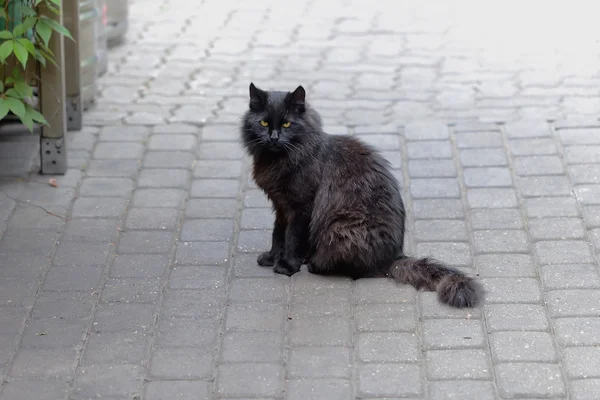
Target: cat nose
(274,136)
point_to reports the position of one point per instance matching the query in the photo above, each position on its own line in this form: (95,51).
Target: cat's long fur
(337,206)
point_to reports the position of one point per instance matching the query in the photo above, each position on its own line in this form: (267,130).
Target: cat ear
(257,97)
(297,98)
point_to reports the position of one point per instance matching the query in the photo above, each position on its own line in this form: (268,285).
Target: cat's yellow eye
(264,123)
(287,124)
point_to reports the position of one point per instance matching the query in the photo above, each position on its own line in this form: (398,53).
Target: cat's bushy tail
(452,286)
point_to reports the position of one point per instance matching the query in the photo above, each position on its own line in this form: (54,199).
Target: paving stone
(73,279)
(207,230)
(556,228)
(450,390)
(256,317)
(483,157)
(210,188)
(139,265)
(526,147)
(318,388)
(202,253)
(145,242)
(583,389)
(582,154)
(466,140)
(429,149)
(522,346)
(167,198)
(130,317)
(118,151)
(457,254)
(252,347)
(254,241)
(588,194)
(390,380)
(578,331)
(581,362)
(163,178)
(35,389)
(387,347)
(570,276)
(320,362)
(17,291)
(123,133)
(185,390)
(217,169)
(512,290)
(204,277)
(127,347)
(425,131)
(193,303)
(434,188)
(57,363)
(257,380)
(432,308)
(321,302)
(591,215)
(64,305)
(538,165)
(442,230)
(431,168)
(246,290)
(256,198)
(257,218)
(168,159)
(500,241)
(52,332)
(442,334)
(574,303)
(152,218)
(516,317)
(438,209)
(106,380)
(100,207)
(369,291)
(458,364)
(530,379)
(540,186)
(220,151)
(181,363)
(487,177)
(385,317)
(551,207)
(565,251)
(211,208)
(112,168)
(164,142)
(504,265)
(131,290)
(500,218)
(187,332)
(491,198)
(528,128)
(320,331)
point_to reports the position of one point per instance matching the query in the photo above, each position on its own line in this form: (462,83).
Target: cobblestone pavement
(136,277)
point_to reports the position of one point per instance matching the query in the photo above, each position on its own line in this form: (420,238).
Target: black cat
(337,206)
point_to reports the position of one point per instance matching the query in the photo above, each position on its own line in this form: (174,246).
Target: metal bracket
(74,113)
(53,154)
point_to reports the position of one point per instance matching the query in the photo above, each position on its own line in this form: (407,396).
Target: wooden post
(53,149)
(72,66)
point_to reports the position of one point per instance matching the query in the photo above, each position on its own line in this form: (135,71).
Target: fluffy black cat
(337,206)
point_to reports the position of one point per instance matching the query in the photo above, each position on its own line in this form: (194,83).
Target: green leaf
(16,106)
(24,27)
(28,11)
(3,108)
(12,92)
(57,2)
(28,45)
(48,57)
(37,2)
(40,58)
(6,49)
(1,86)
(3,14)
(24,89)
(44,30)
(58,27)
(21,54)
(27,120)
(5,35)
(36,115)
(16,73)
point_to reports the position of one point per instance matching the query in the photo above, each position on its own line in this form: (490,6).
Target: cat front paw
(266,259)
(287,268)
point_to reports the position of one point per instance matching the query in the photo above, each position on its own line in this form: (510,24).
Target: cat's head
(278,121)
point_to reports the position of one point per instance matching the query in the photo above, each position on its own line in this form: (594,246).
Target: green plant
(24,35)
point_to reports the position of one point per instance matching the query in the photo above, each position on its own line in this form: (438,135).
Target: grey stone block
(458,364)
(504,265)
(320,362)
(538,165)
(163,178)
(210,188)
(254,241)
(522,346)
(431,168)
(256,317)
(563,251)
(453,253)
(252,380)
(219,133)
(438,209)
(487,177)
(211,208)
(588,194)
(319,389)
(385,317)
(131,290)
(257,218)
(187,332)
(162,198)
(530,380)
(35,389)
(128,317)
(181,363)
(203,277)
(585,173)
(574,303)
(431,307)
(207,303)
(56,363)
(171,141)
(442,230)
(585,389)
(217,169)
(78,253)
(461,390)
(184,390)
(100,207)
(556,228)
(321,302)
(570,276)
(429,149)
(49,333)
(540,186)
(591,215)
(17,291)
(64,305)
(442,334)
(202,253)
(425,130)
(491,198)
(500,241)
(434,188)
(72,279)
(254,347)
(152,218)
(118,151)
(549,207)
(113,168)
(581,362)
(369,291)
(168,159)
(123,133)
(389,380)
(582,154)
(256,198)
(145,242)
(483,157)
(387,347)
(530,147)
(578,331)
(106,380)
(125,347)
(106,187)
(207,230)
(139,265)
(220,151)
(501,218)
(259,289)
(320,331)
(512,290)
